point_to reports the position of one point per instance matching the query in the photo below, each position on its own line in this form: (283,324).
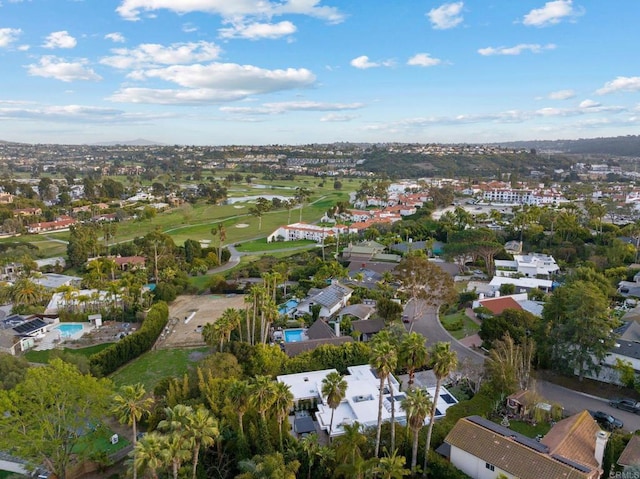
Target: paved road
(428,325)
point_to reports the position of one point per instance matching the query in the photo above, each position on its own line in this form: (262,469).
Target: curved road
(427,324)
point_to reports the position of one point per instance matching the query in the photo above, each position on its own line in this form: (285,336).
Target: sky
(253,72)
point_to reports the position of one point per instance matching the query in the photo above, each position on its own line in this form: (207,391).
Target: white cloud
(423,60)
(552,13)
(132,9)
(363,62)
(75,113)
(627,84)
(8,36)
(516,50)
(562,95)
(115,37)
(255,31)
(151,54)
(589,104)
(333,117)
(446,16)
(216,82)
(60,39)
(282,107)
(53,67)
(189,28)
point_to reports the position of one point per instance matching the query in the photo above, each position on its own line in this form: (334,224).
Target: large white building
(360,403)
(534,265)
(304,231)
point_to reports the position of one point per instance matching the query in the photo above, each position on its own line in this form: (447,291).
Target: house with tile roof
(626,348)
(630,456)
(572,449)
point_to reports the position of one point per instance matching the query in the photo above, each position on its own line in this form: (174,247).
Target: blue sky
(303,71)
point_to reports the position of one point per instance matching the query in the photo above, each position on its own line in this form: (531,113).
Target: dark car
(625,404)
(607,421)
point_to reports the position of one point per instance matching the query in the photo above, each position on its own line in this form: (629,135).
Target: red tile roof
(498,305)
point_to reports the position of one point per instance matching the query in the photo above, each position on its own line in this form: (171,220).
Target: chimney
(336,327)
(601,443)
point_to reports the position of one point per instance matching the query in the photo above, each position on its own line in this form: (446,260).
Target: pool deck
(53,338)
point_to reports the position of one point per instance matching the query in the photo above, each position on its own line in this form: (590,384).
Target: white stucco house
(331,299)
(533,265)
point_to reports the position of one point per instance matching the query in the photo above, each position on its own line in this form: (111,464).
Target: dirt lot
(207,309)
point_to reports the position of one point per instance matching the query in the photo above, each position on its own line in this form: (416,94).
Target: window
(491,467)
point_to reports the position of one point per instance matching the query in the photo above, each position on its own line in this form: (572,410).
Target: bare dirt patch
(207,309)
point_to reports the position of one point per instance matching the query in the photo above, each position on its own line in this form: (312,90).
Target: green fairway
(154,366)
(44,355)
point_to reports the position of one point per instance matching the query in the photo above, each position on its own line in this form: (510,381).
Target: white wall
(473,466)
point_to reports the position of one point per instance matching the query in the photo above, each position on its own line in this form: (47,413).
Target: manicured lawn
(154,366)
(262,245)
(7,474)
(468,326)
(100,441)
(43,356)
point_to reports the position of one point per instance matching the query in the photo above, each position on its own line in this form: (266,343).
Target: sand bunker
(238,207)
(242,225)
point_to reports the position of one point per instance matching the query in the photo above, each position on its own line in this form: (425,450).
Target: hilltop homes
(532,265)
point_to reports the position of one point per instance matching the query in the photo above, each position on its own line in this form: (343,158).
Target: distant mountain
(137,142)
(615,146)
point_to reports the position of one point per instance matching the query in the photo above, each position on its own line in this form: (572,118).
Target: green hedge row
(130,347)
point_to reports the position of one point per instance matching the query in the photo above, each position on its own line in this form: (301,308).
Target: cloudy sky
(302,71)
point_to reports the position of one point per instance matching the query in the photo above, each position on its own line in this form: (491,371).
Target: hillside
(612,146)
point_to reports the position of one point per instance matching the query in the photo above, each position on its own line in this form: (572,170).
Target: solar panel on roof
(30,326)
(571,463)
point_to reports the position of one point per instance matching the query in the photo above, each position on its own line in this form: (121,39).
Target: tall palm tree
(150,454)
(238,396)
(129,406)
(178,451)
(301,196)
(179,441)
(203,431)
(417,405)
(334,388)
(222,236)
(444,360)
(282,404)
(413,354)
(262,398)
(383,359)
(311,447)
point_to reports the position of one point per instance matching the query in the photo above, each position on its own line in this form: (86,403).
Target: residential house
(22,212)
(360,403)
(630,456)
(572,449)
(19,333)
(367,328)
(62,223)
(519,301)
(5,198)
(630,288)
(331,299)
(522,284)
(318,334)
(130,263)
(54,281)
(534,265)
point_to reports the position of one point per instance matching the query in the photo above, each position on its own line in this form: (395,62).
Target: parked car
(625,404)
(607,421)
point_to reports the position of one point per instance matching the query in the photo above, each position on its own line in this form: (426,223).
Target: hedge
(130,347)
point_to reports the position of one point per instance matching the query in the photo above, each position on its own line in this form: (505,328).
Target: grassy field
(43,356)
(153,366)
(468,327)
(100,441)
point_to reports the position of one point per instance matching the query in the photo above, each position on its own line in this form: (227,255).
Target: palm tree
(130,405)
(413,354)
(179,441)
(383,359)
(282,404)
(311,447)
(203,431)
(349,446)
(262,398)
(222,236)
(150,454)
(444,360)
(302,195)
(178,451)
(238,396)
(417,405)
(391,467)
(334,388)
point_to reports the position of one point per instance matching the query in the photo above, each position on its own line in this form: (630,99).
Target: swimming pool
(293,335)
(67,330)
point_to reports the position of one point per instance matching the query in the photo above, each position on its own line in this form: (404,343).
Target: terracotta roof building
(573,449)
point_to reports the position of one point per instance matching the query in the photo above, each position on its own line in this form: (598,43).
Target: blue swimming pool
(67,330)
(293,335)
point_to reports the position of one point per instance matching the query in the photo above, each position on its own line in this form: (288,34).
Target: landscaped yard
(7,474)
(44,356)
(153,366)
(526,429)
(466,326)
(100,441)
